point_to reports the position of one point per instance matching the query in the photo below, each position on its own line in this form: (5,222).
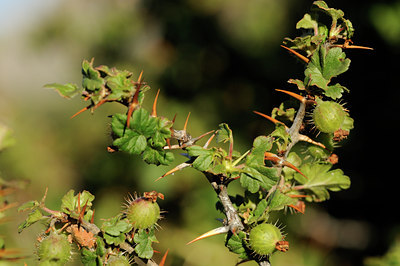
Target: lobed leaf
(144,239)
(32,218)
(68,90)
(324,65)
(236,244)
(224,133)
(69,203)
(92,81)
(321,179)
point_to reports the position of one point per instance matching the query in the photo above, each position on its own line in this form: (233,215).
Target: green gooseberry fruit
(263,238)
(118,261)
(55,249)
(142,213)
(328,116)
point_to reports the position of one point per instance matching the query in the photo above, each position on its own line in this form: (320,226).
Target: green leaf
(323,66)
(144,239)
(30,205)
(68,90)
(236,244)
(334,13)
(33,217)
(202,163)
(115,229)
(335,91)
(224,133)
(259,212)
(321,179)
(281,137)
(131,142)
(118,124)
(307,22)
(279,200)
(261,144)
(143,123)
(69,203)
(299,83)
(157,156)
(88,258)
(252,178)
(92,81)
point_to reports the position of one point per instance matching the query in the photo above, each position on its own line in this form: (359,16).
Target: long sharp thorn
(216,231)
(296,208)
(359,47)
(164,258)
(154,110)
(209,140)
(135,101)
(173,120)
(177,168)
(286,163)
(309,140)
(80,111)
(302,57)
(202,136)
(344,46)
(273,120)
(92,219)
(187,119)
(294,95)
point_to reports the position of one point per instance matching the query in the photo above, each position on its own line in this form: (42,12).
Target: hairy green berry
(54,250)
(328,116)
(118,261)
(142,213)
(263,238)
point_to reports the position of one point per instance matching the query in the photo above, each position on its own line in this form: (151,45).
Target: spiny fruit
(118,261)
(142,212)
(328,116)
(54,250)
(263,238)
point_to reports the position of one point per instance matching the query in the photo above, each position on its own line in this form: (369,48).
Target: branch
(233,220)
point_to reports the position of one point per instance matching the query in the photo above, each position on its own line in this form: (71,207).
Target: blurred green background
(219,60)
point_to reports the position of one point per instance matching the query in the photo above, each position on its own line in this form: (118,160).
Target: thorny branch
(233,220)
(294,136)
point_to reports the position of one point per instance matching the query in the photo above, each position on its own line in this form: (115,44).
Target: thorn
(294,95)
(134,102)
(273,120)
(92,219)
(162,262)
(81,214)
(300,206)
(278,160)
(79,202)
(177,168)
(209,140)
(80,111)
(286,163)
(298,196)
(168,143)
(302,57)
(100,103)
(173,120)
(187,119)
(309,140)
(194,140)
(216,231)
(154,111)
